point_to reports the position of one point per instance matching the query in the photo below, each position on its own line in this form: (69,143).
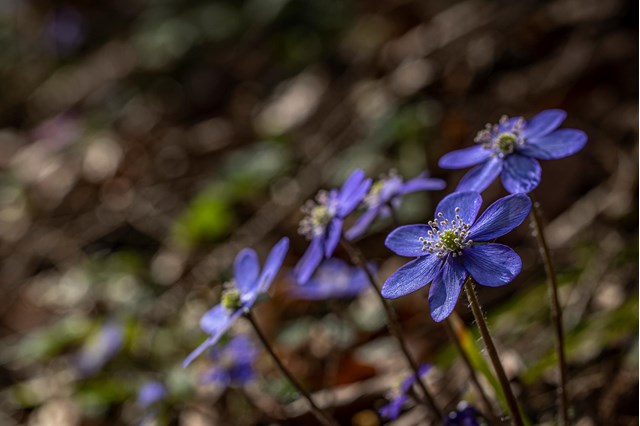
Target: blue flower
(233,363)
(512,149)
(322,224)
(100,349)
(393,409)
(385,194)
(150,393)
(464,415)
(240,295)
(334,278)
(451,246)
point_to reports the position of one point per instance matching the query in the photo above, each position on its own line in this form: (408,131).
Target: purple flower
(100,348)
(323,220)
(452,245)
(240,294)
(334,278)
(233,363)
(150,393)
(385,194)
(512,149)
(464,415)
(392,410)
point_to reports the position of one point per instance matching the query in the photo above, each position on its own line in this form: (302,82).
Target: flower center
(231,299)
(446,237)
(318,214)
(502,138)
(373,197)
(506,143)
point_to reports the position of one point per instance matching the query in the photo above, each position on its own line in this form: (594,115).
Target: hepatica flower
(453,245)
(393,409)
(100,348)
(385,194)
(512,149)
(240,294)
(464,415)
(333,279)
(150,393)
(233,363)
(322,224)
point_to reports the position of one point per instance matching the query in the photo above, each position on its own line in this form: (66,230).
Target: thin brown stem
(392,324)
(322,417)
(556,311)
(451,330)
(493,353)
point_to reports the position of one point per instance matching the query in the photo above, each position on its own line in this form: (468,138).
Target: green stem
(393,325)
(493,353)
(556,310)
(322,417)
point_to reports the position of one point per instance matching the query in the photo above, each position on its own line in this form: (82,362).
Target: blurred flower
(322,224)
(447,249)
(233,363)
(100,348)
(66,29)
(464,415)
(512,149)
(386,194)
(392,410)
(334,278)
(240,294)
(150,393)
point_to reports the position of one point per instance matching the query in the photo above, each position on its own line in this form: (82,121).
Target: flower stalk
(493,353)
(556,311)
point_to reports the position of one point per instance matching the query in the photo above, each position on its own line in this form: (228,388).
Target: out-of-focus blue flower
(66,29)
(393,409)
(386,193)
(233,363)
(464,415)
(322,224)
(150,393)
(452,245)
(333,279)
(100,348)
(240,294)
(512,149)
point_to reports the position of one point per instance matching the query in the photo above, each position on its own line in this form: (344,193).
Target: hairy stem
(556,311)
(493,353)
(322,417)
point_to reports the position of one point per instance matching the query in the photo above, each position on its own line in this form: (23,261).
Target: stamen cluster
(502,138)
(318,214)
(447,237)
(230,299)
(372,199)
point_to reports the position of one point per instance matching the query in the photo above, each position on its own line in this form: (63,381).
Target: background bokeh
(143,143)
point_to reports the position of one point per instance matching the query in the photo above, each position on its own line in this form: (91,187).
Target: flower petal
(412,276)
(309,261)
(352,192)
(422,183)
(468,201)
(273,264)
(334,231)
(245,271)
(465,157)
(559,144)
(481,176)
(216,319)
(492,265)
(520,173)
(362,224)
(501,217)
(405,240)
(445,289)
(197,352)
(544,122)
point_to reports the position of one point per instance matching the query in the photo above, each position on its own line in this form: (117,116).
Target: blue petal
(216,319)
(405,240)
(520,173)
(245,270)
(309,261)
(559,144)
(422,183)
(501,217)
(362,224)
(492,265)
(465,157)
(197,352)
(445,289)
(352,192)
(273,264)
(334,231)
(545,122)
(481,176)
(469,203)
(412,276)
